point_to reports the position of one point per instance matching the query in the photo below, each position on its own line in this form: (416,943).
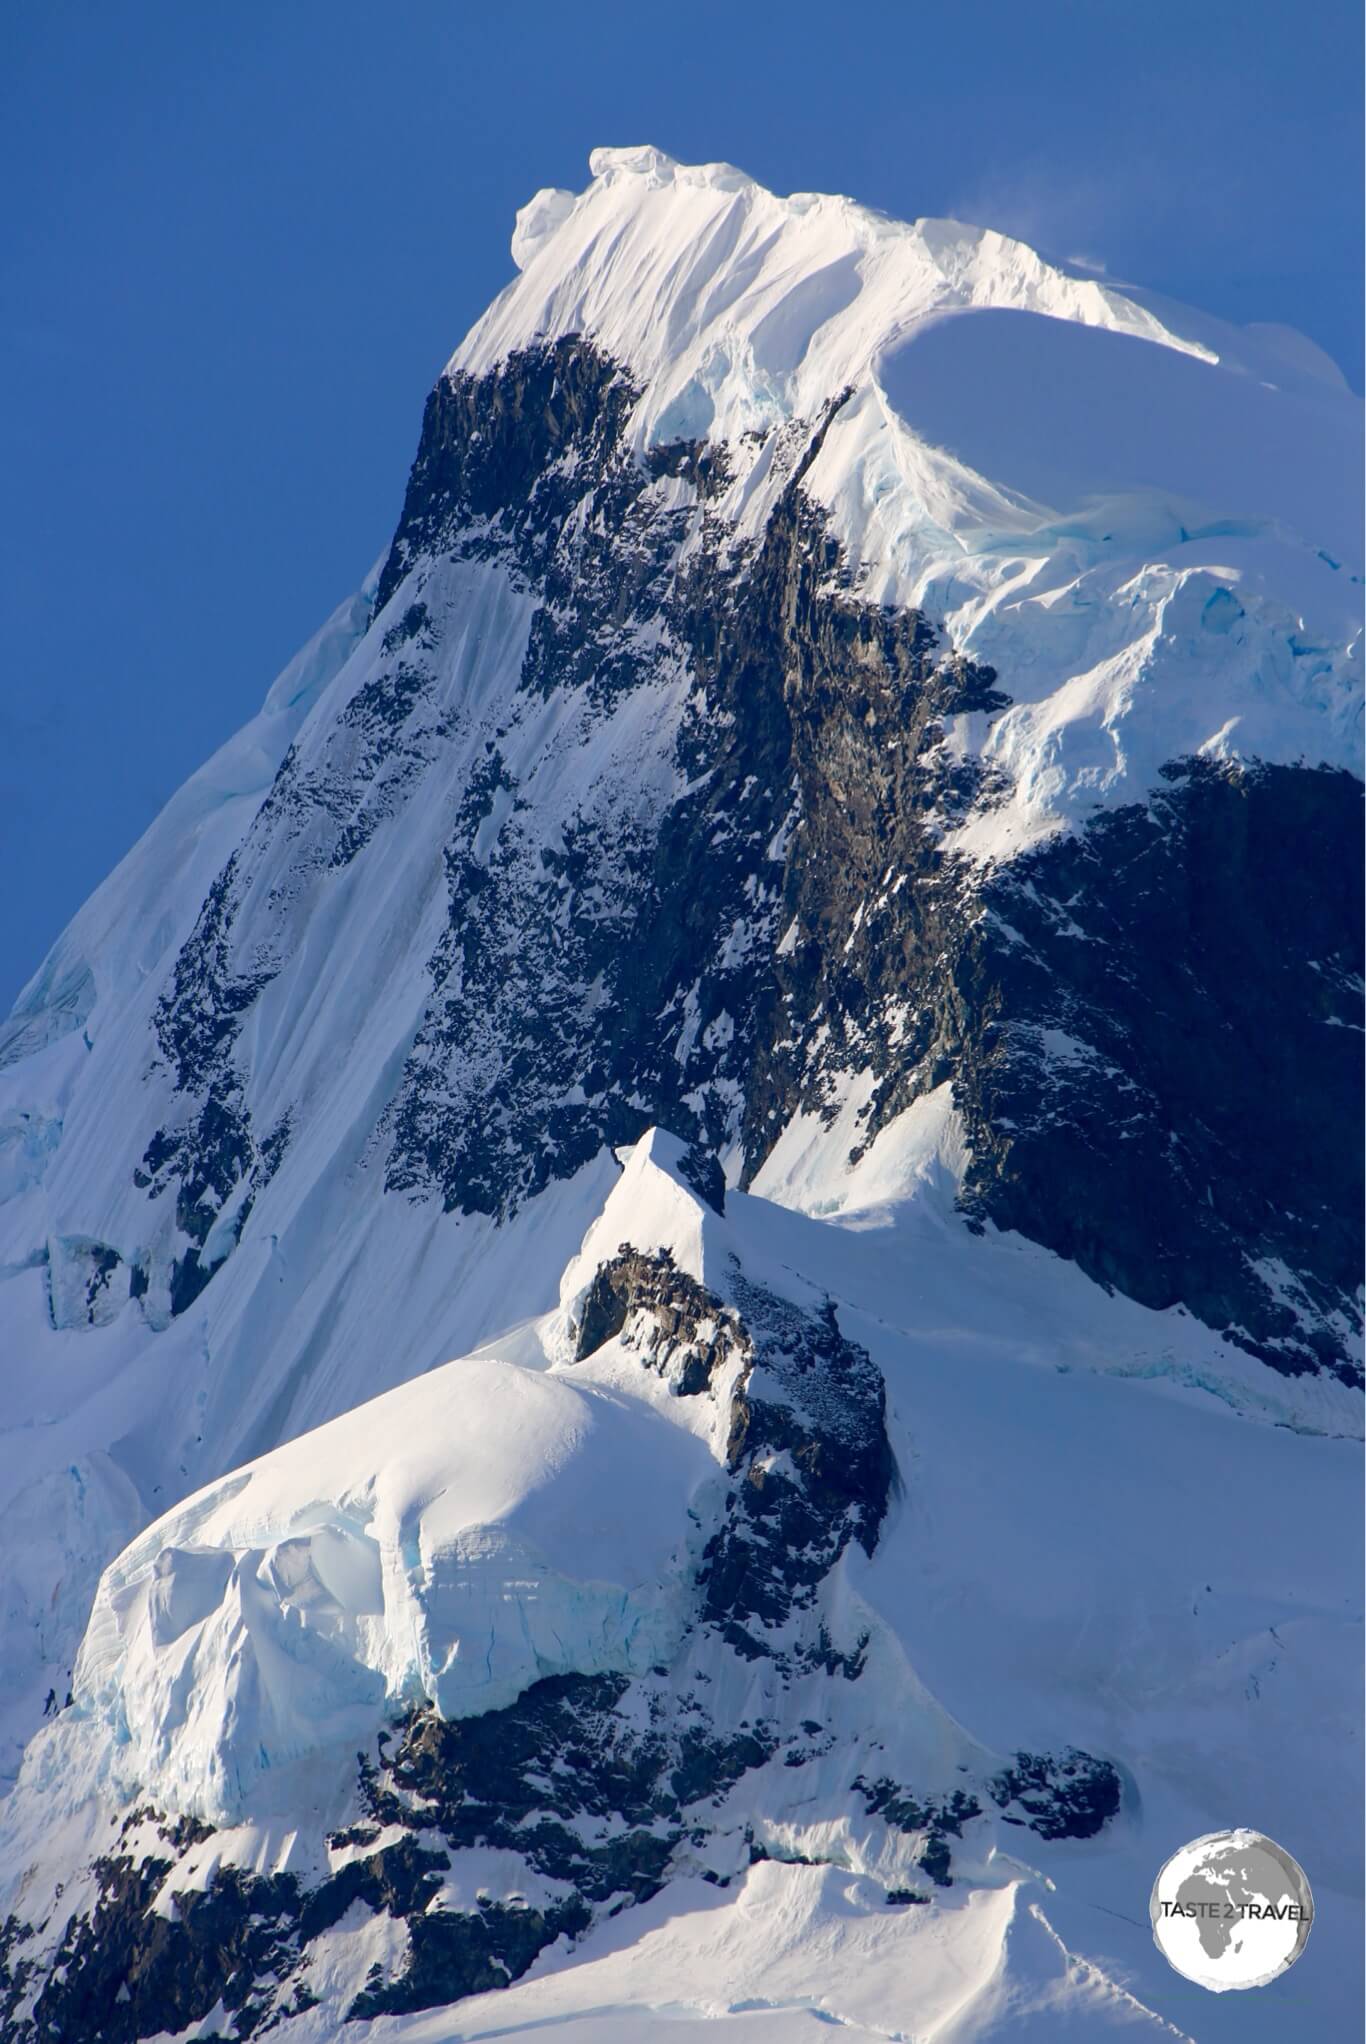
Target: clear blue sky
(239,242)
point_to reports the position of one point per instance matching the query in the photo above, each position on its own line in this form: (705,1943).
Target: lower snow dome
(454,1540)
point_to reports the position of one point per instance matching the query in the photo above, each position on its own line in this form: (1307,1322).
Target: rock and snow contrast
(805,926)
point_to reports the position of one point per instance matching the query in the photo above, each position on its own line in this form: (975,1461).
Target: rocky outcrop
(805,1439)
(681,1330)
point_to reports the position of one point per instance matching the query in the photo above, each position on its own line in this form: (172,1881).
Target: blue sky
(240,242)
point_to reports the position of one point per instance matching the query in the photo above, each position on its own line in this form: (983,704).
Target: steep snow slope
(883,708)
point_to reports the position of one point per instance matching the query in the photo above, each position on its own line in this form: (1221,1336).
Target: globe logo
(1231,1910)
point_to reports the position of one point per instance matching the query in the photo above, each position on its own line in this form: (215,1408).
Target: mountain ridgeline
(826,975)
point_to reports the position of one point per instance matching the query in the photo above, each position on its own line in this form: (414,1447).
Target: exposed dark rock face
(817,1473)
(494,450)
(1064,1795)
(614,936)
(210,1161)
(122,1972)
(1185,949)
(1165,1089)
(808,751)
(596,1781)
(1147,1025)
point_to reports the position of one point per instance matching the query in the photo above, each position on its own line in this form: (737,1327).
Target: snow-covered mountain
(805,924)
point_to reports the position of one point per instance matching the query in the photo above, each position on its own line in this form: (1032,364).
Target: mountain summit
(805,925)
